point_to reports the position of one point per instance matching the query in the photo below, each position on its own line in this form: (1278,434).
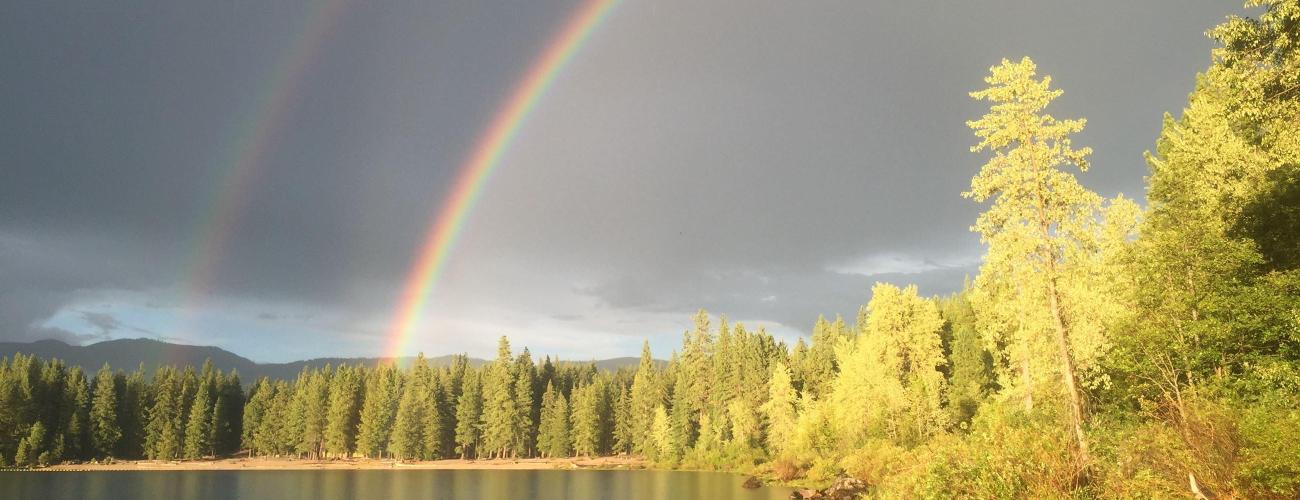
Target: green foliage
(501,415)
(781,410)
(647,393)
(469,409)
(344,415)
(198,431)
(553,437)
(378,411)
(407,438)
(889,383)
(970,370)
(105,431)
(163,438)
(590,409)
(31,447)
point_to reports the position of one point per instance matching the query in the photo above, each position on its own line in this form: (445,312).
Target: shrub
(873,462)
(787,469)
(1006,455)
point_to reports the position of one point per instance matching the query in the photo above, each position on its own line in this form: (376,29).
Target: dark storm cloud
(767,160)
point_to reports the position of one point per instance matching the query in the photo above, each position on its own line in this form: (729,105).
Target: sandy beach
(273,463)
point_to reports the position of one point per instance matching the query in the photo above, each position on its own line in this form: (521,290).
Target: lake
(397,485)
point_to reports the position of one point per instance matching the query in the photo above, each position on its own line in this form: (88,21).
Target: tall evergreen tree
(527,411)
(437,423)
(501,415)
(30,448)
(344,411)
(76,429)
(646,395)
(970,375)
(259,401)
(198,431)
(469,410)
(163,431)
(312,403)
(407,439)
(553,433)
(105,432)
(624,434)
(781,410)
(1038,215)
(227,414)
(132,414)
(587,420)
(378,412)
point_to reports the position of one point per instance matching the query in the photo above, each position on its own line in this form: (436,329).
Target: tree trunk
(1027,381)
(1067,367)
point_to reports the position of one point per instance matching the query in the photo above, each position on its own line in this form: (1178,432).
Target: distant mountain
(127,354)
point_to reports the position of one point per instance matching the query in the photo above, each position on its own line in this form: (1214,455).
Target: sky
(766,160)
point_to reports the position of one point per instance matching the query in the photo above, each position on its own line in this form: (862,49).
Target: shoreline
(280,463)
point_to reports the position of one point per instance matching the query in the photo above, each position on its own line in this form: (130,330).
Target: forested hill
(130,353)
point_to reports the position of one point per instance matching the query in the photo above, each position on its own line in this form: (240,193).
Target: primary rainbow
(237,167)
(474,173)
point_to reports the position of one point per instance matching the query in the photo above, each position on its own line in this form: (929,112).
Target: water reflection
(406,484)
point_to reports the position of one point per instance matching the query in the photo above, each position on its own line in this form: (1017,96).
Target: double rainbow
(492,145)
(240,161)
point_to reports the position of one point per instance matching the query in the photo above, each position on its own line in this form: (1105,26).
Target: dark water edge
(381,484)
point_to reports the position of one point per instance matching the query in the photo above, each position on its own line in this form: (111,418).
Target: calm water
(380,484)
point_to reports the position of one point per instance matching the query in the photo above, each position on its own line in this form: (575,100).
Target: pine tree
(278,430)
(31,446)
(781,410)
(623,431)
(681,421)
(695,386)
(553,433)
(437,416)
(132,412)
(76,428)
(312,403)
(665,448)
(188,385)
(646,395)
(378,412)
(469,408)
(227,414)
(501,415)
(344,411)
(527,412)
(163,431)
(820,366)
(407,439)
(970,375)
(104,429)
(259,401)
(198,431)
(588,410)
(1038,214)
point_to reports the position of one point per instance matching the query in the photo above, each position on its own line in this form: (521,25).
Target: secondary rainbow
(492,145)
(239,161)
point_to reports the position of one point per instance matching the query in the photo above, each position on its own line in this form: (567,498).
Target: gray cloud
(105,322)
(767,160)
